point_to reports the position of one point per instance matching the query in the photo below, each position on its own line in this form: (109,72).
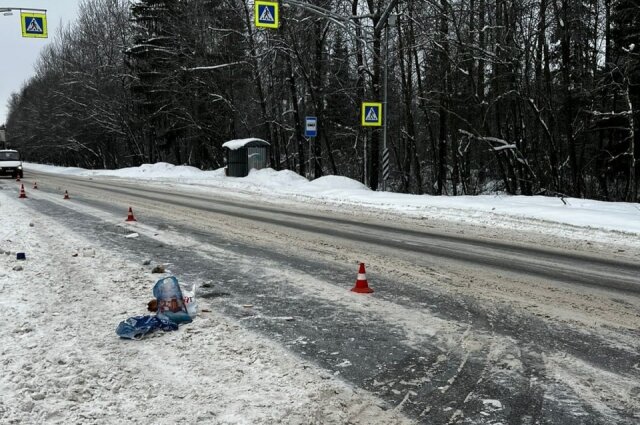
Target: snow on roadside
(62,361)
(537,213)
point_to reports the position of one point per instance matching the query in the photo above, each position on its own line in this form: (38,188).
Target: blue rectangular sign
(311,127)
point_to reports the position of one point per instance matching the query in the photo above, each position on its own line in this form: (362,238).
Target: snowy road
(525,259)
(456,332)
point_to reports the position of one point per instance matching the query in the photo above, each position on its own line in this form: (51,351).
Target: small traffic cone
(66,195)
(362,286)
(35,185)
(130,216)
(22,192)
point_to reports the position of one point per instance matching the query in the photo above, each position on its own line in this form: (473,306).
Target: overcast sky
(19,55)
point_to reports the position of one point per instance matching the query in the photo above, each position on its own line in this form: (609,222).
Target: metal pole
(385,110)
(311,172)
(365,160)
(21,9)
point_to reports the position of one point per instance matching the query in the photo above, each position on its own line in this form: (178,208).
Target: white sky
(19,54)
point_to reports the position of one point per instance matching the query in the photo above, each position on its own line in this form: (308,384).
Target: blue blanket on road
(138,326)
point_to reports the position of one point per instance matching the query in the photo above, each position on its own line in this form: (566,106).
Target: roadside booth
(244,155)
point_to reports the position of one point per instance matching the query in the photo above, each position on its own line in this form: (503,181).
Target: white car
(10,163)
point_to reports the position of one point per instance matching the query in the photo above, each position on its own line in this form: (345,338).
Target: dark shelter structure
(245,154)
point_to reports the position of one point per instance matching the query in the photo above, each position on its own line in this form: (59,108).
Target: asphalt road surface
(465,325)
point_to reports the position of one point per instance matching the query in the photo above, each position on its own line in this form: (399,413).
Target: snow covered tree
(521,96)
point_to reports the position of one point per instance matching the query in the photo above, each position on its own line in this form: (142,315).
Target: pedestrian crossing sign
(266,14)
(371,114)
(34,25)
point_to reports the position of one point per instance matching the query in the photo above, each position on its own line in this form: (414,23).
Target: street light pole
(391,22)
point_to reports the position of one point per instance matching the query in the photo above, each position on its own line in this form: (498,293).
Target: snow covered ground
(63,363)
(574,218)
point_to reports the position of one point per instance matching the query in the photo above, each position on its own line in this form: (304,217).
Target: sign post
(385,167)
(310,131)
(391,22)
(370,116)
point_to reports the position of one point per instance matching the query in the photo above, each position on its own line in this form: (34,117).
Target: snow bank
(342,191)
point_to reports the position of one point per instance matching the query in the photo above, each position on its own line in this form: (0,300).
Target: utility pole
(391,22)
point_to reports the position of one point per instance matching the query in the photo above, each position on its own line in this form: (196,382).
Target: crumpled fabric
(138,326)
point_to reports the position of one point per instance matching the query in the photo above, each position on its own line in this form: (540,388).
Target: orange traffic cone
(362,286)
(130,216)
(22,192)
(66,195)
(35,185)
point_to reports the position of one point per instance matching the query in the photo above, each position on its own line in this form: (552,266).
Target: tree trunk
(443,109)
(406,73)
(565,48)
(360,90)
(296,117)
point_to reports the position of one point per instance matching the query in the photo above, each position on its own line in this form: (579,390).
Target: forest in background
(517,96)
